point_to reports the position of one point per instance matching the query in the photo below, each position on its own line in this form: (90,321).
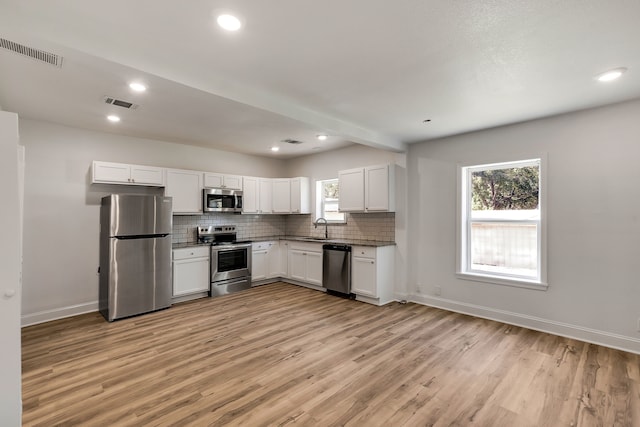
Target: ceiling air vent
(292,141)
(37,54)
(120,103)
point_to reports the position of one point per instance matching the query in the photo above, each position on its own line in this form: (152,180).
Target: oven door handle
(230,248)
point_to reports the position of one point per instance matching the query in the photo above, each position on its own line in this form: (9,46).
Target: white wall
(10,368)
(62,208)
(326,166)
(593,184)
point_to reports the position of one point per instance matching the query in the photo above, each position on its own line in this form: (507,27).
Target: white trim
(463,216)
(594,336)
(58,313)
(506,281)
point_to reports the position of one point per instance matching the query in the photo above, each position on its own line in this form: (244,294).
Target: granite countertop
(353,242)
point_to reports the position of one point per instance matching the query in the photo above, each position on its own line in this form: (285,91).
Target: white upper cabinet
(367,189)
(250,195)
(291,195)
(300,202)
(218,180)
(281,195)
(122,173)
(185,186)
(351,184)
(265,195)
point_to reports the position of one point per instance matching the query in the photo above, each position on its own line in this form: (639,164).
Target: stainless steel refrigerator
(135,255)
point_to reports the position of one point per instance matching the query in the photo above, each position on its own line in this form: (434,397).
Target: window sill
(498,280)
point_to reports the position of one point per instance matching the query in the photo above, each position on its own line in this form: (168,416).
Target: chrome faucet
(326,229)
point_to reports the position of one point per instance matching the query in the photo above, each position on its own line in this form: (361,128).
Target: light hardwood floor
(281,355)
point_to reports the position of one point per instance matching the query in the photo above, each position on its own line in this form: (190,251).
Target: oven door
(230,262)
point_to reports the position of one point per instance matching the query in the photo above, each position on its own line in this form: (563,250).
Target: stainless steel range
(230,264)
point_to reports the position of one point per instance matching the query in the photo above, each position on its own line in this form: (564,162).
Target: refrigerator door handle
(142,236)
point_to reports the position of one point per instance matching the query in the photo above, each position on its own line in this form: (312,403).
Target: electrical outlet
(437,290)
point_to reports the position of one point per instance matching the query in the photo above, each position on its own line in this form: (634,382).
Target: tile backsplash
(369,226)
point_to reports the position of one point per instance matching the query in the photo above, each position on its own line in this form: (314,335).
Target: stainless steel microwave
(219,200)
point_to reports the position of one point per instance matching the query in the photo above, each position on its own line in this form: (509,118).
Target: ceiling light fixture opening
(113,118)
(322,137)
(611,75)
(137,87)
(274,149)
(229,22)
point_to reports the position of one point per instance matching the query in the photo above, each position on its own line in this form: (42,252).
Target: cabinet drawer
(363,251)
(260,246)
(194,252)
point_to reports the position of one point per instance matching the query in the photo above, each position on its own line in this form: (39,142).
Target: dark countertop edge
(353,242)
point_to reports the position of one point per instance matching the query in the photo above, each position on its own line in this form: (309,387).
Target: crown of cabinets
(367,189)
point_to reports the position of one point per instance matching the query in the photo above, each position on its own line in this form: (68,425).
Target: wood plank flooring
(281,355)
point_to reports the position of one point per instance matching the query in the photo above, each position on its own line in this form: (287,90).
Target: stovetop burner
(219,235)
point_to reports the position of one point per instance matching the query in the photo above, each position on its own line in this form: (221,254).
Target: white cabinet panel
(218,180)
(363,276)
(185,186)
(250,195)
(190,271)
(314,268)
(259,264)
(122,173)
(265,196)
(305,262)
(351,184)
(274,263)
(300,195)
(281,195)
(297,265)
(367,189)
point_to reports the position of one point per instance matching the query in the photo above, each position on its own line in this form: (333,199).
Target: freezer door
(135,215)
(139,278)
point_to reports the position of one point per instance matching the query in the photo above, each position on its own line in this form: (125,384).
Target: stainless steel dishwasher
(336,269)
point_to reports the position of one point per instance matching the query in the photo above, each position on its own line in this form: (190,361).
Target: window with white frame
(501,235)
(327,196)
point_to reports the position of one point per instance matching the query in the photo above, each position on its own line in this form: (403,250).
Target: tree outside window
(327,195)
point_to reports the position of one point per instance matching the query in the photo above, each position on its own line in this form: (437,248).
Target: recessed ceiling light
(322,137)
(611,75)
(137,87)
(114,119)
(229,22)
(274,149)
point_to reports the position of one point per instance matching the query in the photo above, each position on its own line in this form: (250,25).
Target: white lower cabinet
(305,262)
(372,273)
(190,270)
(265,261)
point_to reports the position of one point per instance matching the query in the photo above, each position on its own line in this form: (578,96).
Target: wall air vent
(120,103)
(292,141)
(37,54)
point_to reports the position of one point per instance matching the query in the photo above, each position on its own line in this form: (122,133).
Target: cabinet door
(281,195)
(190,276)
(351,184)
(273,260)
(363,277)
(111,172)
(376,187)
(265,195)
(250,197)
(284,259)
(213,180)
(314,268)
(300,202)
(147,175)
(259,264)
(185,187)
(232,182)
(297,265)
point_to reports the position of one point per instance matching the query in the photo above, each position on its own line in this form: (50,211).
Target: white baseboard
(58,313)
(594,336)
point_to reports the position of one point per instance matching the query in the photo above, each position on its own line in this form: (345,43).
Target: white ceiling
(363,71)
